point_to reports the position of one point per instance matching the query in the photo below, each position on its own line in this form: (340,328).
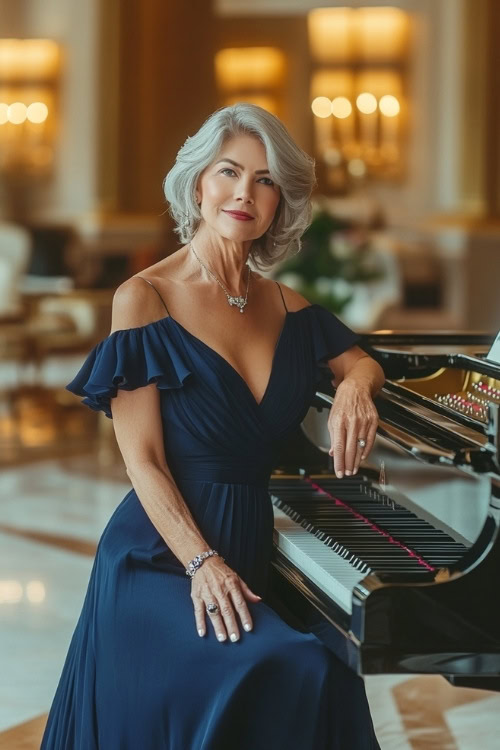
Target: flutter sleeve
(330,336)
(128,359)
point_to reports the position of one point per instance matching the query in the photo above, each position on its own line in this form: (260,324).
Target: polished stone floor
(52,512)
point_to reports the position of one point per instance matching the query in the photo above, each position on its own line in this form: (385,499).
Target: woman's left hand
(353,417)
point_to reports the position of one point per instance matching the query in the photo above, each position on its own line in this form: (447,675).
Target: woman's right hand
(215,582)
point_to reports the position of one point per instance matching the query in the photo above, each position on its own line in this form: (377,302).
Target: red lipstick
(240,215)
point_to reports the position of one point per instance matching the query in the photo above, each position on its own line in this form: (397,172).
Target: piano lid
(473,343)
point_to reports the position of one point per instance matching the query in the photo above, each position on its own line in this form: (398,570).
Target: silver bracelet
(197,561)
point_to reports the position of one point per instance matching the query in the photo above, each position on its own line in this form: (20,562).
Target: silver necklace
(238,301)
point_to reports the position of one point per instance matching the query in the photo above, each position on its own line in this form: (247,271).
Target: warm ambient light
(322,106)
(341,107)
(16,113)
(241,68)
(379,82)
(359,58)
(389,106)
(35,592)
(28,59)
(356,168)
(37,112)
(29,79)
(333,82)
(366,103)
(11,592)
(381,34)
(339,35)
(331,34)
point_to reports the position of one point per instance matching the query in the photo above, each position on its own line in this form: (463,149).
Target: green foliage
(335,254)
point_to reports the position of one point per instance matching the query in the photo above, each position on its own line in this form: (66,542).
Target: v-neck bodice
(213,352)
(211,419)
(216,353)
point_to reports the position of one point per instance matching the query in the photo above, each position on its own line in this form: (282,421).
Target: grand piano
(396,569)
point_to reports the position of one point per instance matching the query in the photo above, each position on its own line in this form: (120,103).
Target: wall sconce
(251,74)
(29,70)
(358,91)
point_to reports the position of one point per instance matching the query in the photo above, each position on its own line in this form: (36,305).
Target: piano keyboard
(338,531)
(329,571)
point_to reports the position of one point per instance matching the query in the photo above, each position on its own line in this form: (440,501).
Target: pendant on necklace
(238,301)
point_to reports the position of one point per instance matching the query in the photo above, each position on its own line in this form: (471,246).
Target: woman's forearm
(167,511)
(353,418)
(365,373)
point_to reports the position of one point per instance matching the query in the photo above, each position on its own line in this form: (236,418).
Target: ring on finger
(212,608)
(361,442)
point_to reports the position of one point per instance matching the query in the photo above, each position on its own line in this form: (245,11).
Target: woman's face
(238,180)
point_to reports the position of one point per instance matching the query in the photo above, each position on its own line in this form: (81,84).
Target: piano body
(396,569)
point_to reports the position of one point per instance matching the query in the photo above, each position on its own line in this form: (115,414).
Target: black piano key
(366,527)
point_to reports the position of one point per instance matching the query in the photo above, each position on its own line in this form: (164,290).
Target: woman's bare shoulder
(135,302)
(133,305)
(293,300)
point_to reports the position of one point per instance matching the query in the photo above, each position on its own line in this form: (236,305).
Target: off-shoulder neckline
(220,357)
(170,317)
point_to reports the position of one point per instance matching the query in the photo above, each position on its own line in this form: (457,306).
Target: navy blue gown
(137,675)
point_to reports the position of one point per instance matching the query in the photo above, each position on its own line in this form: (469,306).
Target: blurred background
(399,104)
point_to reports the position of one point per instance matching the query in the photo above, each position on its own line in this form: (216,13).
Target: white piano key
(330,572)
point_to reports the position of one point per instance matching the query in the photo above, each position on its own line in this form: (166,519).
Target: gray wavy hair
(291,168)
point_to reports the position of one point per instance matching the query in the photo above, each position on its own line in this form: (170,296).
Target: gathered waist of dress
(227,472)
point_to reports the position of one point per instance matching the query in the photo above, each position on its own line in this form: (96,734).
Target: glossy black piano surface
(396,569)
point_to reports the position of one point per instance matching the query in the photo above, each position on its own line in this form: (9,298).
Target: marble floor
(52,512)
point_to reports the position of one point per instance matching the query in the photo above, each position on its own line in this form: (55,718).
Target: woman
(208,368)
